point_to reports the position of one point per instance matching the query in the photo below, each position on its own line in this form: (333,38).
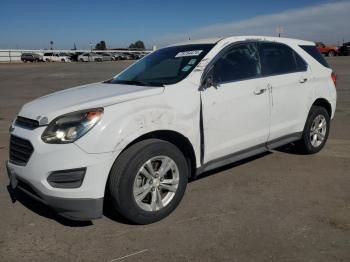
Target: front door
(236,111)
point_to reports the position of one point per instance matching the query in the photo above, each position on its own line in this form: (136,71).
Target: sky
(33,24)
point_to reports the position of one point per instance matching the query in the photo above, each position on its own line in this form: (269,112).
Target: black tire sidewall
(121,189)
(314,112)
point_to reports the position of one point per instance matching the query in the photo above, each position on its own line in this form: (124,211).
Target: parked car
(56,57)
(118,56)
(181,111)
(31,57)
(74,56)
(90,57)
(106,57)
(327,50)
(345,49)
(69,55)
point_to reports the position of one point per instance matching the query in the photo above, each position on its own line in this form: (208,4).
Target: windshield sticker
(192,61)
(189,53)
(186,68)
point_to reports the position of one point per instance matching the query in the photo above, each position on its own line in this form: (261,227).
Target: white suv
(178,112)
(56,57)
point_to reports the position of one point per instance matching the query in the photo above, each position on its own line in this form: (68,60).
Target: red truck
(328,50)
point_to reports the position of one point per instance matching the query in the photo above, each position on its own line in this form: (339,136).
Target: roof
(244,38)
(213,40)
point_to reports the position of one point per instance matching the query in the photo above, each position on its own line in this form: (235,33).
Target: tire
(62,60)
(308,145)
(81,60)
(331,53)
(126,179)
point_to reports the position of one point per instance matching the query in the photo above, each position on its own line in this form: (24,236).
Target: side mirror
(209,82)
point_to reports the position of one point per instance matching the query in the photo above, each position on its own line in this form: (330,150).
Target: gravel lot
(278,206)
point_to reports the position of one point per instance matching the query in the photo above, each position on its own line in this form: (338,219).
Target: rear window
(280,59)
(313,51)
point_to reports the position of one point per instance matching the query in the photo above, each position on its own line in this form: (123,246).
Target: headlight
(70,127)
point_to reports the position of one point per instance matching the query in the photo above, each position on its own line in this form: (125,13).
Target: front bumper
(74,208)
(82,203)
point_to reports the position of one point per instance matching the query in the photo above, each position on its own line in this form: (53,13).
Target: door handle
(303,80)
(259,90)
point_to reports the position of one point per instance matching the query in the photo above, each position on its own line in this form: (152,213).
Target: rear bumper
(81,209)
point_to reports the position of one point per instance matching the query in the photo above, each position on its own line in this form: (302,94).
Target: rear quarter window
(313,51)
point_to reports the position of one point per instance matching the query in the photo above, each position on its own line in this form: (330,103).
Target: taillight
(334,78)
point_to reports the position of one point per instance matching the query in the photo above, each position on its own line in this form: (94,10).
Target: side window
(238,63)
(301,64)
(280,59)
(313,51)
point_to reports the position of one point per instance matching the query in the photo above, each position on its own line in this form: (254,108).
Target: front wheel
(148,181)
(316,131)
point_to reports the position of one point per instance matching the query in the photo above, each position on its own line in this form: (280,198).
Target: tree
(101,45)
(138,44)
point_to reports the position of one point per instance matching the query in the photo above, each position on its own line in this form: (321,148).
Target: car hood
(48,107)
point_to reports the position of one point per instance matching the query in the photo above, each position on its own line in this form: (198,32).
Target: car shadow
(110,212)
(229,166)
(43,210)
(291,148)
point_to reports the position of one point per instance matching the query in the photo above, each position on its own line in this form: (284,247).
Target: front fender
(123,123)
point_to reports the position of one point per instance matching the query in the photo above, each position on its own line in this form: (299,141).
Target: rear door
(287,77)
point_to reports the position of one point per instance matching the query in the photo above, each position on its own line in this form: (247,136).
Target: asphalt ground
(278,206)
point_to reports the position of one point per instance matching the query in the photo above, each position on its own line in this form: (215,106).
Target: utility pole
(279,30)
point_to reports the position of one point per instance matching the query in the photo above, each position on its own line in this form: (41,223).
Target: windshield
(164,67)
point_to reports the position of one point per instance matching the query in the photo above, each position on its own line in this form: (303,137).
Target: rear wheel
(331,53)
(148,181)
(316,131)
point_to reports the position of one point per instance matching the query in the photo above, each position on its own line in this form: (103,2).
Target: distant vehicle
(66,54)
(106,57)
(56,57)
(74,56)
(121,56)
(345,49)
(128,56)
(327,50)
(90,57)
(31,57)
(117,56)
(135,56)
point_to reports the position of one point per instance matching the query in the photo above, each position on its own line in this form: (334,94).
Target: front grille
(20,150)
(26,123)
